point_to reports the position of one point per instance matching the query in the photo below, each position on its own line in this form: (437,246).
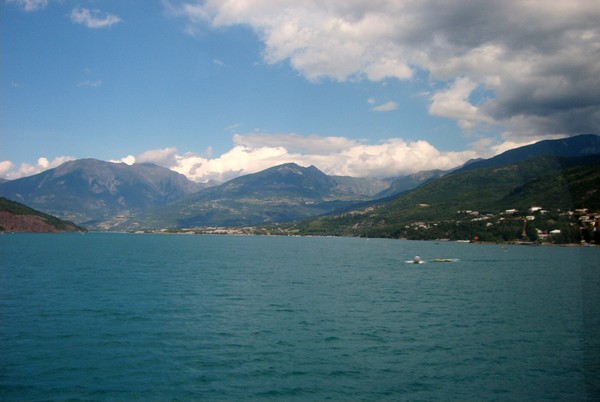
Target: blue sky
(214,89)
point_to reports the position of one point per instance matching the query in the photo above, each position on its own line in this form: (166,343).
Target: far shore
(233,232)
(248,231)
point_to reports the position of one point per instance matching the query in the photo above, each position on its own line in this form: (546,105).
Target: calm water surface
(183,317)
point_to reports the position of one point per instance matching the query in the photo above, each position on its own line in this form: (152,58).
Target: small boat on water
(419,260)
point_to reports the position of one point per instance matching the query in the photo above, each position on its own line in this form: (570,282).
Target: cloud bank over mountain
(8,170)
(332,155)
(254,152)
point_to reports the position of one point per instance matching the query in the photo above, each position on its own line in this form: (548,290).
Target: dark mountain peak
(579,145)
(284,166)
(576,146)
(93,190)
(288,176)
(284,169)
(294,168)
(278,194)
(94,169)
(314,170)
(87,162)
(87,167)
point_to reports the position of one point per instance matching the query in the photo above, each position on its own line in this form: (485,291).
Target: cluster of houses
(586,218)
(248,230)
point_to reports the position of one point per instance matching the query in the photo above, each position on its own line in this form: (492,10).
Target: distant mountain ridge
(104,195)
(580,145)
(89,190)
(279,194)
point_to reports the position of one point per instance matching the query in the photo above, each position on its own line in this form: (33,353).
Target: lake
(107,316)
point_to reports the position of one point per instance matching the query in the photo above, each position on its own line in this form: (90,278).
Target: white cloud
(129,160)
(29,5)
(164,157)
(386,107)
(312,144)
(8,171)
(333,155)
(254,152)
(93,18)
(453,102)
(6,167)
(43,162)
(536,59)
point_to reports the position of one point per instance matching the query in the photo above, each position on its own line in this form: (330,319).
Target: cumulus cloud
(536,59)
(128,160)
(164,157)
(453,102)
(311,144)
(333,155)
(8,169)
(93,18)
(254,152)
(30,5)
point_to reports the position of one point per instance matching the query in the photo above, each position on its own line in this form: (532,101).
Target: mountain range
(282,193)
(99,194)
(104,195)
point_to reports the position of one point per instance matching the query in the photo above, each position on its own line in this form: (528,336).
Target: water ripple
(119,317)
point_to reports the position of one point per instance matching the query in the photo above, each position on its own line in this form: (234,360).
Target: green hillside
(18,217)
(462,205)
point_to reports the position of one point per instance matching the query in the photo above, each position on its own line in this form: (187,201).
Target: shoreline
(250,232)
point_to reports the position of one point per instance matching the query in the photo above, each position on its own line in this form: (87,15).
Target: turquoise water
(184,317)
